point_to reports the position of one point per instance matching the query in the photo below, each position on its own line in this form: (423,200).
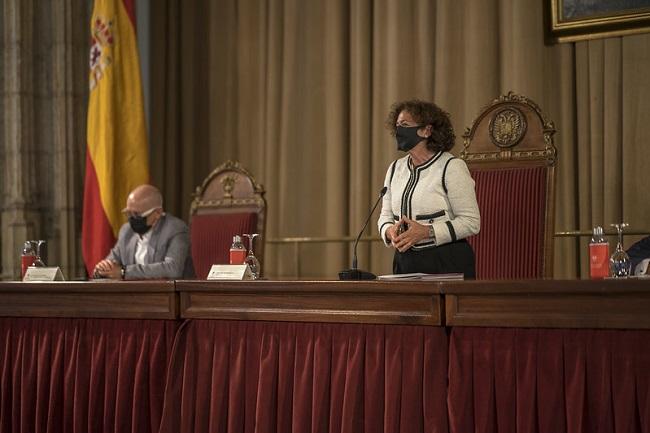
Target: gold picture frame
(575,20)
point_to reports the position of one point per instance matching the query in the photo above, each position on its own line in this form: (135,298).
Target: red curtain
(549,380)
(79,375)
(231,376)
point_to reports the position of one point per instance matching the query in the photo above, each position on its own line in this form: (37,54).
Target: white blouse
(439,192)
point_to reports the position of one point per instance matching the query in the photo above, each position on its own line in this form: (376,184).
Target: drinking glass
(620,265)
(40,247)
(251,260)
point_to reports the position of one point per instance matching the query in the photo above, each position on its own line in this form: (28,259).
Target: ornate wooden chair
(229,202)
(510,152)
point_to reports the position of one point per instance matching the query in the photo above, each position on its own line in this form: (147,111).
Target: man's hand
(414,234)
(108,269)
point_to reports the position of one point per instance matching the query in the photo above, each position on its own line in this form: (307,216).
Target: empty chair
(229,202)
(510,152)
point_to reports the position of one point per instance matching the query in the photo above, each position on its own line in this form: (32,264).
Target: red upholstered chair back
(510,153)
(229,202)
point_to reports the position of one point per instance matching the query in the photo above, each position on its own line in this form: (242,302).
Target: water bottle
(237,251)
(598,255)
(27,257)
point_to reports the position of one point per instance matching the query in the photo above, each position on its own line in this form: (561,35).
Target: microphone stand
(354,273)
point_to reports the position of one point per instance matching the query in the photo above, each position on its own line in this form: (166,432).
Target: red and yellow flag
(117,156)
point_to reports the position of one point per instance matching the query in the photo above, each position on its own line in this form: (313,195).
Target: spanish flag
(117,156)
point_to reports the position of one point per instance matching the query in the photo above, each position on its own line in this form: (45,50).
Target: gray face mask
(407,137)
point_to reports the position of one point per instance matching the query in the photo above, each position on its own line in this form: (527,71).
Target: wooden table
(531,303)
(227,351)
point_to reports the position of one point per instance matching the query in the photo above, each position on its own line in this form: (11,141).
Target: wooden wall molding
(94,299)
(407,303)
(614,304)
(622,304)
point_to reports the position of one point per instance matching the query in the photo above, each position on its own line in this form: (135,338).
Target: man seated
(152,244)
(638,253)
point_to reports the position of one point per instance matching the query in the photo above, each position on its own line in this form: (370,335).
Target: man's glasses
(143,214)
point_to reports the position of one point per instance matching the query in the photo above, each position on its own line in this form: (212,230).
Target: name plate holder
(230,272)
(43,274)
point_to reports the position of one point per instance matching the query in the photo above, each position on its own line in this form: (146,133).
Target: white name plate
(230,272)
(43,274)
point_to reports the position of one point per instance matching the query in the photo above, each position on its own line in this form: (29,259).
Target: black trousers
(455,257)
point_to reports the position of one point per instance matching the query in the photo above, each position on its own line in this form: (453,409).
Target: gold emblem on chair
(507,127)
(228,183)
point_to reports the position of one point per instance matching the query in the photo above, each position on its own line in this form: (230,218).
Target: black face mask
(407,137)
(139,224)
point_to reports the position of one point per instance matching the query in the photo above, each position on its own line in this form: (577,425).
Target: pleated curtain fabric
(298,91)
(548,380)
(83,375)
(234,376)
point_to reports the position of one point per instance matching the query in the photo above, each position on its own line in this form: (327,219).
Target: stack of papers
(421,276)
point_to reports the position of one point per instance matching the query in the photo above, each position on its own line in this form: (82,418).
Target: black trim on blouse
(407,195)
(452,232)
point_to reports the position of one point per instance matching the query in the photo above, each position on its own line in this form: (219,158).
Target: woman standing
(430,205)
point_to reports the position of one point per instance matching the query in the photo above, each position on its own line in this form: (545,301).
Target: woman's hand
(414,234)
(392,231)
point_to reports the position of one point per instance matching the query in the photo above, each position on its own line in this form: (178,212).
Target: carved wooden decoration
(507,127)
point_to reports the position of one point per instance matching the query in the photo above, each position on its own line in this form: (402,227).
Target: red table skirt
(306,377)
(102,375)
(83,375)
(554,380)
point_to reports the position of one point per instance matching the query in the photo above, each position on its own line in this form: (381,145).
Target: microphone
(354,273)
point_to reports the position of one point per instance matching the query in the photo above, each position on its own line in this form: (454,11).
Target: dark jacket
(639,251)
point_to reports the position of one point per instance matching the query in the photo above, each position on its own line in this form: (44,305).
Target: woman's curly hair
(426,113)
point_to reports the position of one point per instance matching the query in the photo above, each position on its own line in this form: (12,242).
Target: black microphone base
(356,274)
